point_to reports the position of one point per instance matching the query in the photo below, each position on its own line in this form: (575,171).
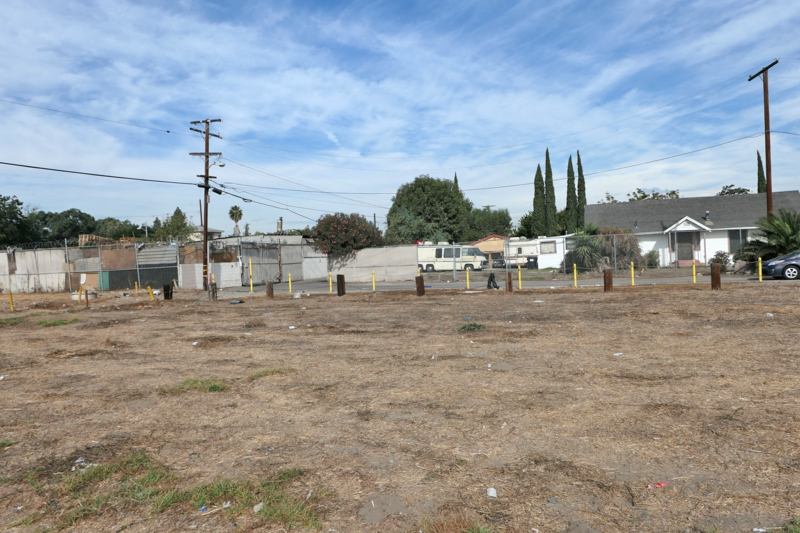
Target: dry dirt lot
(374,412)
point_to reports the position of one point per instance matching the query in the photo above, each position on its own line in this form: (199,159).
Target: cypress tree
(539,222)
(455,181)
(550,194)
(762,181)
(571,221)
(581,194)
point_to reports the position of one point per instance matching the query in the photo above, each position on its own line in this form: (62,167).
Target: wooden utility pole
(764,74)
(207,134)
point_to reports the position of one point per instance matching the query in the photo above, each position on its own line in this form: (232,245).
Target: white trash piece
(257,507)
(297,295)
(617,354)
(292,327)
(769,315)
(490,492)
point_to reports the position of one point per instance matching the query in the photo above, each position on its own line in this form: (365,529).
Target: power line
(96,175)
(786,132)
(93,118)
(297,183)
(303,190)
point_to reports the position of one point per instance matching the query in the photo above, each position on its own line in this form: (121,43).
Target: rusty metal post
(340,285)
(608,280)
(270,290)
(509,282)
(420,285)
(87,297)
(716,280)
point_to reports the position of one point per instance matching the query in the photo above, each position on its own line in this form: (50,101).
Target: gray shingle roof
(646,216)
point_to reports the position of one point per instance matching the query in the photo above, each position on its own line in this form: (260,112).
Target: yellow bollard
(575,274)
(373,280)
(330,281)
(290,283)
(633,282)
(759,270)
(135,284)
(213,278)
(80,293)
(419,272)
(251,275)
(519,276)
(467,277)
(694,272)
(152,297)
(11,301)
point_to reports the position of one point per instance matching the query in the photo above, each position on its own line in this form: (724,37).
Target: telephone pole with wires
(207,155)
(767,153)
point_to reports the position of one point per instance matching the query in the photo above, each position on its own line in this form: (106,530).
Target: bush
(651,259)
(723,258)
(339,235)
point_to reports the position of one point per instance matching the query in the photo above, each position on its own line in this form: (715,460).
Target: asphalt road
(321,286)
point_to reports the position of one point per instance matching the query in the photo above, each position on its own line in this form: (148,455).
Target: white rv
(443,256)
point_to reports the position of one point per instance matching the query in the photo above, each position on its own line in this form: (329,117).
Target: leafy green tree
(550,193)
(780,235)
(484,222)
(524,226)
(608,199)
(762,180)
(581,194)
(571,218)
(67,224)
(339,235)
(434,201)
(174,227)
(731,190)
(405,228)
(538,225)
(111,228)
(15,228)
(639,195)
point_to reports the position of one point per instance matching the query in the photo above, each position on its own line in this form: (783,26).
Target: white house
(686,229)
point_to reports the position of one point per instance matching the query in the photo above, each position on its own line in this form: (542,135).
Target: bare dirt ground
(569,404)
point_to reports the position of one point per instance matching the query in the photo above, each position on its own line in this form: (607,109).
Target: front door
(685,245)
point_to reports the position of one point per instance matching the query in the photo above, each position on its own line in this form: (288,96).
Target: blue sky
(361,97)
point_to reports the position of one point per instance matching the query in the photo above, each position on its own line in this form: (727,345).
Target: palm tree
(780,235)
(236,215)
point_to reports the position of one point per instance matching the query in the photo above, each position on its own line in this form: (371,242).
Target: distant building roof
(493,236)
(724,212)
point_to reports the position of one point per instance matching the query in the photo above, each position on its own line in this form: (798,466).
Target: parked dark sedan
(787,266)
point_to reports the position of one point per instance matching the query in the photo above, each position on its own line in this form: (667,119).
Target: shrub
(651,259)
(339,235)
(721,257)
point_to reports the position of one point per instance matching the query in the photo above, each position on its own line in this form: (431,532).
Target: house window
(548,247)
(737,238)
(438,253)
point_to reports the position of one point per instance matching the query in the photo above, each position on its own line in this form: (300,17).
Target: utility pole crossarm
(762,71)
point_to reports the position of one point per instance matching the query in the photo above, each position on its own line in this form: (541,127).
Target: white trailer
(444,256)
